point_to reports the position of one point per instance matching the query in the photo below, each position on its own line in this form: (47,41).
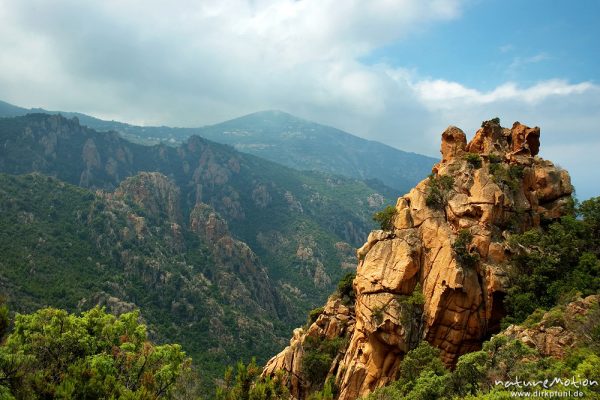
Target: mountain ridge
(282,138)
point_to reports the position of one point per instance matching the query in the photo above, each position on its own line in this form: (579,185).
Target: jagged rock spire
(449,242)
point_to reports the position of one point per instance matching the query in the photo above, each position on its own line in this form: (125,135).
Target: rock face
(184,263)
(155,193)
(558,330)
(336,321)
(438,274)
(236,259)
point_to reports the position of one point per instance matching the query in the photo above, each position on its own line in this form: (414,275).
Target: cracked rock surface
(498,187)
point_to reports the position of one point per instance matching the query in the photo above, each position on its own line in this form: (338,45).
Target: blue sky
(494,41)
(398,72)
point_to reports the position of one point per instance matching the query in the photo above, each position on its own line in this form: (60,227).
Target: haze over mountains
(285,139)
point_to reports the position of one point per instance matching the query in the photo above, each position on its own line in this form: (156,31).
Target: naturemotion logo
(548,383)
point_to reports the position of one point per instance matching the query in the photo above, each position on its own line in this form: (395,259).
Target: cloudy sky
(396,71)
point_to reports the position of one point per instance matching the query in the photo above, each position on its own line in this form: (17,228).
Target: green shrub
(329,391)
(411,306)
(494,169)
(318,357)
(470,372)
(460,247)
(345,288)
(554,263)
(429,385)
(510,176)
(421,375)
(248,384)
(516,172)
(4,319)
(424,357)
(589,211)
(385,218)
(494,158)
(438,191)
(315,367)
(377,315)
(473,159)
(555,317)
(416,298)
(54,354)
(534,318)
(495,121)
(314,314)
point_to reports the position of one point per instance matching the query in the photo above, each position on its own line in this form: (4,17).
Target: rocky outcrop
(438,273)
(454,142)
(336,321)
(205,221)
(235,259)
(155,193)
(560,329)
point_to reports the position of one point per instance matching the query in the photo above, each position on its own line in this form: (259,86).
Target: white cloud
(519,62)
(444,94)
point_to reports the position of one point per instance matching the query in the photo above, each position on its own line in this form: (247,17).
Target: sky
(395,71)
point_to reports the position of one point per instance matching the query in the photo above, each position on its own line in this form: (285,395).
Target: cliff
(438,273)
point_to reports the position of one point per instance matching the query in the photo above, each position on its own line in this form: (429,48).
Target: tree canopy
(54,354)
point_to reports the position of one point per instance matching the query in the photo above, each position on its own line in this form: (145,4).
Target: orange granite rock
(508,191)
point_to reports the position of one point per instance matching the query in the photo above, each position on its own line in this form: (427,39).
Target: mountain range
(282,138)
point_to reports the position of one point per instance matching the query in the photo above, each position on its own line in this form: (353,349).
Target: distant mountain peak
(269,115)
(273,112)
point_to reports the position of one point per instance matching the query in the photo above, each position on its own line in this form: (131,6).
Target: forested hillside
(217,249)
(70,248)
(302,225)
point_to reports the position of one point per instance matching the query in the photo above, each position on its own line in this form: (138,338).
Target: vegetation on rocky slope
(555,263)
(245,383)
(495,371)
(71,248)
